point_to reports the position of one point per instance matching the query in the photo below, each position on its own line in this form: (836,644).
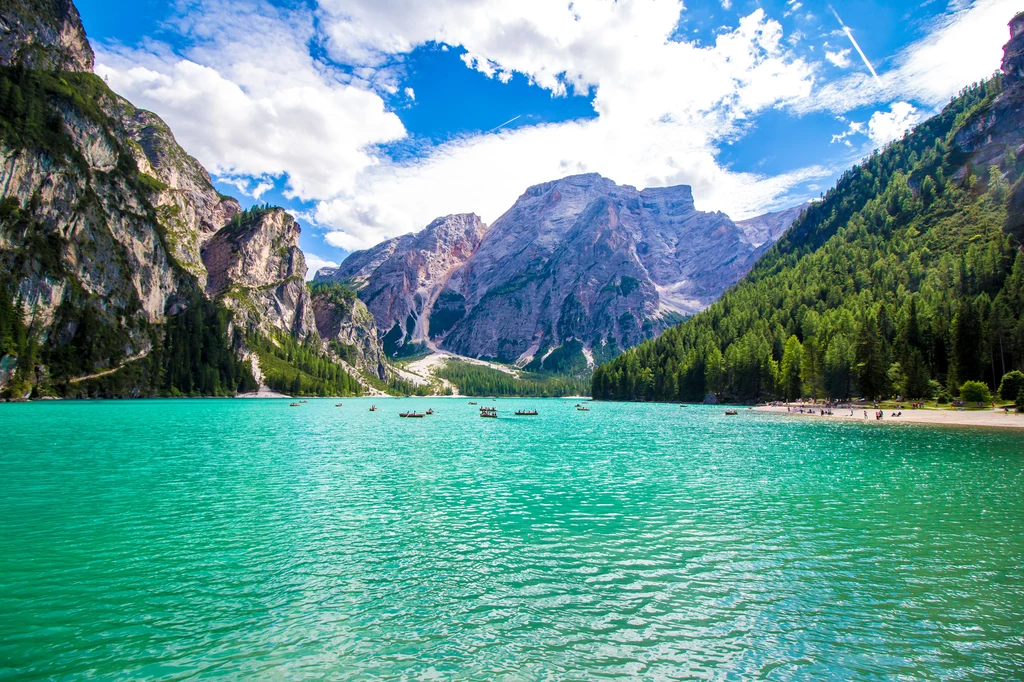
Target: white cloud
(886,126)
(855,128)
(247,99)
(840,58)
(646,134)
(314,263)
(486,175)
(261,189)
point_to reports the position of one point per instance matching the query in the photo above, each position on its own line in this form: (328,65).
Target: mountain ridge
(651,248)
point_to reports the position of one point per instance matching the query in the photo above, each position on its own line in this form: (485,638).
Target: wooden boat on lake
(489,414)
(430,412)
(303,401)
(472,403)
(295,405)
(411,415)
(373,408)
(526,413)
(583,409)
(338,405)
(731,413)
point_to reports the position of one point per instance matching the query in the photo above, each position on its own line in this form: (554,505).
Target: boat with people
(583,409)
(338,405)
(489,414)
(430,411)
(526,413)
(303,401)
(294,405)
(731,413)
(411,415)
(472,403)
(373,408)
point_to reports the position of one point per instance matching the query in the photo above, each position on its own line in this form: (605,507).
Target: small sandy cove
(986,418)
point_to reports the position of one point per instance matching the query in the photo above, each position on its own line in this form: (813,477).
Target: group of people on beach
(828,409)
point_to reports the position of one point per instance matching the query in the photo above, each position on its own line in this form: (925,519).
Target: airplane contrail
(849,34)
(514,118)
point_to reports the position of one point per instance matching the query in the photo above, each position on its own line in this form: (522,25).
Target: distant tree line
(479,380)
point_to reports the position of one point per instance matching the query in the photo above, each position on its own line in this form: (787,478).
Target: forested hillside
(904,280)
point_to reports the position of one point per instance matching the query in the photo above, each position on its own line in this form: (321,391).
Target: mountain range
(578,268)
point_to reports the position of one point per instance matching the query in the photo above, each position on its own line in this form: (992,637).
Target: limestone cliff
(994,136)
(255,267)
(349,329)
(43,34)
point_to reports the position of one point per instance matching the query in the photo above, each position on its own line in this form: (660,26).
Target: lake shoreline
(981,419)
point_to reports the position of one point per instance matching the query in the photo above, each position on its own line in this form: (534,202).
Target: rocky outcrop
(578,263)
(350,331)
(45,35)
(400,279)
(998,128)
(255,267)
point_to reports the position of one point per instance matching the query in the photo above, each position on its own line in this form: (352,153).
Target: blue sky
(368,118)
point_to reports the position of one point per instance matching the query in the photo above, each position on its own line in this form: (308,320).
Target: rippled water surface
(179,539)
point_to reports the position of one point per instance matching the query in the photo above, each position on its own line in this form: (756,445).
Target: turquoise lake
(185,539)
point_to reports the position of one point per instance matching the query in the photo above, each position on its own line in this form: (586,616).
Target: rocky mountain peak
(460,231)
(44,34)
(400,279)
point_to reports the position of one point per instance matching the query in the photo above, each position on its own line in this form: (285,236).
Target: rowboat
(731,413)
(472,403)
(430,412)
(373,408)
(294,405)
(338,405)
(583,409)
(526,413)
(489,414)
(411,415)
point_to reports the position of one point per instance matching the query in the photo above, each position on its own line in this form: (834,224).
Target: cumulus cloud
(840,58)
(886,126)
(855,128)
(645,134)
